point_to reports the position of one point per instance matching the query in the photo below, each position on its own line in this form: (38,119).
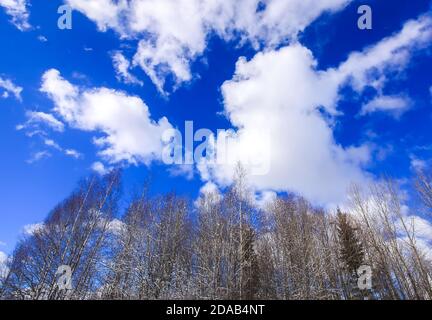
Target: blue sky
(366,114)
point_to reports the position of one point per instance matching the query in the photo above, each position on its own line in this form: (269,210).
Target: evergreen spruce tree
(351,253)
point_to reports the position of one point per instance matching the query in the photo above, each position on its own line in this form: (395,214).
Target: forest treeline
(222,246)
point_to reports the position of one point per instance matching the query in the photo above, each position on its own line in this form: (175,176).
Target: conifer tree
(351,252)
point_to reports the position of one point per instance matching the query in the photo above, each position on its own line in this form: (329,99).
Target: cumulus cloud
(396,105)
(285,88)
(174,33)
(10,88)
(18,11)
(127,131)
(122,66)
(282,86)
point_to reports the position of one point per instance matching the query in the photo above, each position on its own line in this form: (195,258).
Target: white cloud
(368,68)
(106,13)
(424,247)
(128,132)
(18,11)
(42,38)
(264,199)
(73,153)
(284,88)
(68,152)
(31,229)
(100,168)
(396,105)
(417,164)
(10,87)
(52,143)
(209,188)
(185,170)
(34,118)
(421,227)
(421,230)
(38,156)
(175,32)
(122,66)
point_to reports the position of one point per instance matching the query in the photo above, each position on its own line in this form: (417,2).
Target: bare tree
(72,235)
(152,257)
(224,246)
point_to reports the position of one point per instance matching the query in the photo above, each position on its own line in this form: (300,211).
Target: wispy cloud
(42,38)
(18,11)
(10,88)
(38,156)
(122,66)
(394,105)
(68,152)
(34,118)
(73,153)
